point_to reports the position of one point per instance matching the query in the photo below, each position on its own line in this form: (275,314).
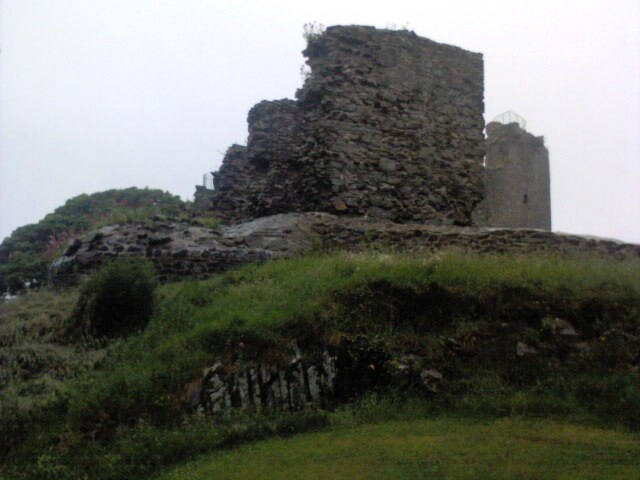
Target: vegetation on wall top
(26,254)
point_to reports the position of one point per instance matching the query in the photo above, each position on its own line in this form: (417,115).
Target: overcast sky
(100,94)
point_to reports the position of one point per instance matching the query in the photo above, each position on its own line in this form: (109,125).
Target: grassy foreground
(449,448)
(121,411)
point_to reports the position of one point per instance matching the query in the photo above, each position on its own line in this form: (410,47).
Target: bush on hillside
(117,300)
(22,270)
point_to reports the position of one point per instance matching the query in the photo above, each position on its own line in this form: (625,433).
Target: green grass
(284,292)
(463,314)
(36,357)
(314,299)
(206,222)
(450,448)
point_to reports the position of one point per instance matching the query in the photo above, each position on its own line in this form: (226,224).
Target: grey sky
(100,94)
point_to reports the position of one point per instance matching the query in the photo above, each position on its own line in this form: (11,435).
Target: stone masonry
(388,125)
(516,180)
(181,251)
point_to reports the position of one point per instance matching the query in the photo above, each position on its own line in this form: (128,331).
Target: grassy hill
(121,410)
(444,447)
(26,254)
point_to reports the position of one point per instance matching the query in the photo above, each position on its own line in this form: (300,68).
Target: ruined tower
(517,186)
(388,125)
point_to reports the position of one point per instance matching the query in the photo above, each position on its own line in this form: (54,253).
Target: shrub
(312,31)
(22,270)
(206,222)
(117,300)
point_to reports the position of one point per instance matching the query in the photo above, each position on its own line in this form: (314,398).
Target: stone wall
(204,200)
(305,379)
(397,122)
(387,125)
(272,151)
(517,181)
(233,185)
(321,376)
(182,251)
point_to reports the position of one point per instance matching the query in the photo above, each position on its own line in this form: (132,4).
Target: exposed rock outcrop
(251,385)
(182,251)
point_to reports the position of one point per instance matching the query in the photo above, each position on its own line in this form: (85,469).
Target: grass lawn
(442,448)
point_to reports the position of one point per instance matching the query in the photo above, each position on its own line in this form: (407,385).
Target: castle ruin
(388,125)
(382,148)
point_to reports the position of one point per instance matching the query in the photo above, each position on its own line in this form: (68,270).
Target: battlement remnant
(388,125)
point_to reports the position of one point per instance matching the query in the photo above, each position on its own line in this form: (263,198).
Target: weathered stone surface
(258,386)
(396,122)
(559,327)
(388,125)
(232,186)
(203,200)
(182,251)
(312,377)
(522,350)
(517,185)
(431,379)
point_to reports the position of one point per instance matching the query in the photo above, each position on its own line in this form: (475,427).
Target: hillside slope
(543,336)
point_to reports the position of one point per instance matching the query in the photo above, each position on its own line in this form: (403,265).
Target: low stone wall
(181,251)
(420,238)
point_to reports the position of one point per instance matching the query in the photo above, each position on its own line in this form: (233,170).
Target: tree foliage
(26,254)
